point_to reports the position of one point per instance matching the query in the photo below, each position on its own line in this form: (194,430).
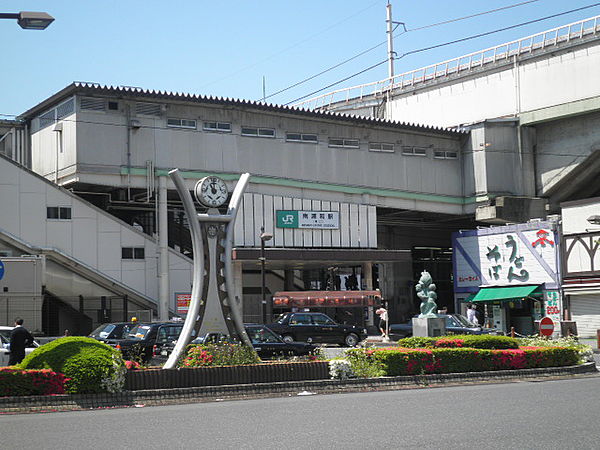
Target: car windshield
(5,335)
(103,331)
(281,318)
(139,332)
(464,321)
(261,335)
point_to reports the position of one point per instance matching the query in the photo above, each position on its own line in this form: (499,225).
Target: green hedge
(90,365)
(486,341)
(30,382)
(404,361)
(219,354)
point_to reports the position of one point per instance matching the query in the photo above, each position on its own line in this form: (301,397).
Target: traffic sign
(1,269)
(546,326)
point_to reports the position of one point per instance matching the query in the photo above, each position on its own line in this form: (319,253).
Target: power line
(443,45)
(312,36)
(329,69)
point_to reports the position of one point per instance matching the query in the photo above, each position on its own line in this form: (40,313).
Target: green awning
(508,293)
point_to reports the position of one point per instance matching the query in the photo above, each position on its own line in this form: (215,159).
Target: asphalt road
(525,415)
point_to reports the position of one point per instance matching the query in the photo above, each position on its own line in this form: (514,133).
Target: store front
(511,273)
(345,307)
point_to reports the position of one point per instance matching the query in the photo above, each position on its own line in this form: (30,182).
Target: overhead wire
(541,19)
(329,69)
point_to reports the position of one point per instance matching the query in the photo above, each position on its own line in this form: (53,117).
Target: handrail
(465,63)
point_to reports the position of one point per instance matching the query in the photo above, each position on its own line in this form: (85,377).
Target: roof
(85,88)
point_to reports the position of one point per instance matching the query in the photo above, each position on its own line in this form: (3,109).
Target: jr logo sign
(287,219)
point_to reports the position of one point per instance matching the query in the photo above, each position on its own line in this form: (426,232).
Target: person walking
(383,318)
(20,339)
(472,314)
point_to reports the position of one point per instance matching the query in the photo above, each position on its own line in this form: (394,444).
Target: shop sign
(552,305)
(326,220)
(505,256)
(182,302)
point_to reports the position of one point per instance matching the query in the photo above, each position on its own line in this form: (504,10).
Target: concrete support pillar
(163,250)
(367,273)
(238,287)
(288,280)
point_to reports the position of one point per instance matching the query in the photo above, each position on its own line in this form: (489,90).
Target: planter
(225,375)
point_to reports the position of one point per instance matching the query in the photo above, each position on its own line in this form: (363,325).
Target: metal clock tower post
(212,240)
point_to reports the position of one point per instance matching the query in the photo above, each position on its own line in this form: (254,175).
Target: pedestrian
(444,310)
(472,314)
(383,318)
(20,339)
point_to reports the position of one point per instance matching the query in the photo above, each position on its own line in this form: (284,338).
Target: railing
(463,64)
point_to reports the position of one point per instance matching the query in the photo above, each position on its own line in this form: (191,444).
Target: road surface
(524,415)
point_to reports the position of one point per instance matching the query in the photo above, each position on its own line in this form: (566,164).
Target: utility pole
(390,40)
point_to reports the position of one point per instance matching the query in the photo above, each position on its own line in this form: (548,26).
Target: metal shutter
(585,310)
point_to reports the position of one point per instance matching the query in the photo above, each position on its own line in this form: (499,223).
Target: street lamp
(264,237)
(30,20)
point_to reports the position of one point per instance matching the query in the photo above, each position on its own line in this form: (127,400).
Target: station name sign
(326,220)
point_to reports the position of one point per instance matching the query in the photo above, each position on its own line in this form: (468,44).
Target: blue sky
(224,48)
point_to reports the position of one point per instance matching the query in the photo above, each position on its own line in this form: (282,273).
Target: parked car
(316,327)
(267,344)
(455,324)
(5,345)
(115,330)
(141,339)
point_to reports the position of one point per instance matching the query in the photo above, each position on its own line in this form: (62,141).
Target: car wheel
(287,338)
(351,340)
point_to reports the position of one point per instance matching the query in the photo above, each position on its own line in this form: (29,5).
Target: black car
(141,339)
(455,324)
(115,330)
(316,327)
(266,343)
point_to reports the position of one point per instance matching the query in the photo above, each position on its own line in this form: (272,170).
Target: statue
(426,292)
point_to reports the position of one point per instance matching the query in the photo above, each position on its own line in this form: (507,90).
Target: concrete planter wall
(226,375)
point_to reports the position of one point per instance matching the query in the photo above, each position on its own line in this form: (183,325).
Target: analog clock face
(211,192)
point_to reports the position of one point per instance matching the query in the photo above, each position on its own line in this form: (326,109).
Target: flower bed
(404,361)
(15,382)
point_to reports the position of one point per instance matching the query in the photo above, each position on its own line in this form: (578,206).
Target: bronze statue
(426,292)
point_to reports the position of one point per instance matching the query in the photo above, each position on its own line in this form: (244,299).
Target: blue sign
(1,269)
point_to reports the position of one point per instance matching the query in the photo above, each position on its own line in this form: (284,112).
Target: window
(381,147)
(414,151)
(181,123)
(441,154)
(92,104)
(322,319)
(148,109)
(58,212)
(222,127)
(132,253)
(300,319)
(113,106)
(259,132)
(301,137)
(344,143)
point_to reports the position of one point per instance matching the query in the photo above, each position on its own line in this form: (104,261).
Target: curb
(157,397)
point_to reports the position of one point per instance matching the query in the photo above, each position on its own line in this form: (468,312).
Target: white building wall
(357,224)
(91,236)
(551,79)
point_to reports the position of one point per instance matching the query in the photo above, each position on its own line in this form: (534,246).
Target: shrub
(219,354)
(461,341)
(340,369)
(90,365)
(404,361)
(30,382)
(585,352)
